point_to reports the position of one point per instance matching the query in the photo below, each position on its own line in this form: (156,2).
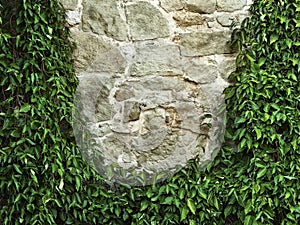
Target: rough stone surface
(88,48)
(225,19)
(199,6)
(103,17)
(157,58)
(70,4)
(150,71)
(146,21)
(202,70)
(205,42)
(230,5)
(160,119)
(186,19)
(109,61)
(170,5)
(73,17)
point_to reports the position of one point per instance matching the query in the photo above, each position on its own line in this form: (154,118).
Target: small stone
(225,20)
(172,5)
(230,5)
(202,70)
(186,19)
(73,17)
(131,111)
(123,94)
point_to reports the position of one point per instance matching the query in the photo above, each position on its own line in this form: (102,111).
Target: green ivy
(44,180)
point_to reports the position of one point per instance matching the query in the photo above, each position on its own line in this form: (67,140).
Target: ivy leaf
(191,205)
(273,38)
(258,133)
(78,182)
(261,61)
(183,213)
(168,200)
(25,108)
(61,184)
(261,172)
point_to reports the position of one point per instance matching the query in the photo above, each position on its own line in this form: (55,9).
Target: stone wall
(150,72)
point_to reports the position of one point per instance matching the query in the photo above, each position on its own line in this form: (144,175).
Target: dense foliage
(253,180)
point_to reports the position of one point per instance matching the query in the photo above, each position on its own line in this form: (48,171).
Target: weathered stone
(73,17)
(202,70)
(109,61)
(230,5)
(103,17)
(186,19)
(225,20)
(92,51)
(87,48)
(70,4)
(226,65)
(205,42)
(146,130)
(123,94)
(132,111)
(93,92)
(200,6)
(172,5)
(156,58)
(149,71)
(146,22)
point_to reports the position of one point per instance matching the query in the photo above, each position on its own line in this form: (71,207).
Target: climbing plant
(44,180)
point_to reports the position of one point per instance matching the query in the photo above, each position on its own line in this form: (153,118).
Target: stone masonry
(151,78)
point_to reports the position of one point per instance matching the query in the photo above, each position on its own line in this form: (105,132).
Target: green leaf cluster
(45,180)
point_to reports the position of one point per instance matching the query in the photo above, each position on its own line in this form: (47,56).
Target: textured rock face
(146,21)
(208,6)
(151,77)
(103,17)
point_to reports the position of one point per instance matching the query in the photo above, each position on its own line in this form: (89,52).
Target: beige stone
(201,6)
(103,17)
(88,47)
(149,71)
(202,70)
(230,5)
(156,58)
(172,5)
(70,4)
(146,21)
(205,42)
(186,19)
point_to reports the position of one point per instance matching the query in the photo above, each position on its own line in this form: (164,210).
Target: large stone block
(103,17)
(95,54)
(205,42)
(156,58)
(230,5)
(146,21)
(201,6)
